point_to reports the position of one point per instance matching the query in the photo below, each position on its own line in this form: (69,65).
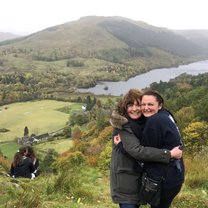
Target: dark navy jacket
(161,132)
(24,169)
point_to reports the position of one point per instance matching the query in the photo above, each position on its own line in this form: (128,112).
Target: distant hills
(198,37)
(7,36)
(93,46)
(94,34)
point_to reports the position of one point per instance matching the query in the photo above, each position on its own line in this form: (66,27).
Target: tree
(26,131)
(67,131)
(195,136)
(76,133)
(89,103)
(102,118)
(79,118)
(49,158)
(184,117)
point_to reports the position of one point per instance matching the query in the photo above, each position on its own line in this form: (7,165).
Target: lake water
(144,80)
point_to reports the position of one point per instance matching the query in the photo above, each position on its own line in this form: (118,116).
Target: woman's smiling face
(134,110)
(149,105)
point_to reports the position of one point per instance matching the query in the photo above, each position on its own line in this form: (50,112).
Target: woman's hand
(116,139)
(176,152)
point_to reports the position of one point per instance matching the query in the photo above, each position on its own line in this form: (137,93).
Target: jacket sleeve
(132,145)
(11,171)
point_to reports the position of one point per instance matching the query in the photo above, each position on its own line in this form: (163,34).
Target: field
(39,116)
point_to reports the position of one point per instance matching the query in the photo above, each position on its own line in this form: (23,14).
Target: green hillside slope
(53,62)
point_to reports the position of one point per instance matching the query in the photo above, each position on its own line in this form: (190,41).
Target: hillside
(78,176)
(96,33)
(102,37)
(199,37)
(92,49)
(7,36)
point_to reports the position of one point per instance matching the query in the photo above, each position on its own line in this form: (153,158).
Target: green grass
(8,149)
(52,190)
(59,146)
(39,116)
(70,109)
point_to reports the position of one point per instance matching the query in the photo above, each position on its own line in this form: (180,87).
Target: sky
(24,17)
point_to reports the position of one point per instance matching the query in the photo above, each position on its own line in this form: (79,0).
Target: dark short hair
(157,95)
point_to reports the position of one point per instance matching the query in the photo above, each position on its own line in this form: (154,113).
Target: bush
(74,63)
(3,130)
(67,131)
(105,157)
(195,136)
(48,160)
(79,118)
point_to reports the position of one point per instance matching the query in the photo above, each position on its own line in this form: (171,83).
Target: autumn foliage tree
(195,136)
(184,117)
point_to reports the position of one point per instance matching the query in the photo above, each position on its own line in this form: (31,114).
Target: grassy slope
(84,38)
(193,194)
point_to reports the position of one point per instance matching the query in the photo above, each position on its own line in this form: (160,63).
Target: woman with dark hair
(22,165)
(161,132)
(31,154)
(125,169)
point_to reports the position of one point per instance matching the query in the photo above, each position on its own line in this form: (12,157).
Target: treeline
(186,91)
(186,96)
(51,84)
(16,86)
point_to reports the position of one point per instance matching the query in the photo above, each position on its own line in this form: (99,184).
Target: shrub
(49,158)
(79,118)
(72,159)
(67,131)
(105,157)
(195,136)
(4,130)
(74,63)
(76,133)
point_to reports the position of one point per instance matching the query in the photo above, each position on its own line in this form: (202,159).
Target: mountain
(7,36)
(54,62)
(93,46)
(198,37)
(90,36)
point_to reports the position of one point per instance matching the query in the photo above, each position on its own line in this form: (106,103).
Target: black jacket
(24,169)
(161,132)
(125,171)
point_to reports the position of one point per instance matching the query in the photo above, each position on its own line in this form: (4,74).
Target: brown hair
(18,156)
(129,98)
(30,152)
